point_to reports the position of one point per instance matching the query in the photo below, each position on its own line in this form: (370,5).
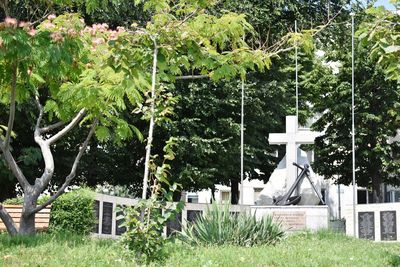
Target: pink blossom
(51,17)
(398,12)
(1,42)
(113,35)
(82,20)
(11,22)
(57,37)
(48,26)
(120,29)
(32,32)
(23,24)
(97,41)
(71,33)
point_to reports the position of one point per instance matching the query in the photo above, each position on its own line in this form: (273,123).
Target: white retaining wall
(379,222)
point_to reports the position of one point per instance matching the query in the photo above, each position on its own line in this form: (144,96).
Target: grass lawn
(302,249)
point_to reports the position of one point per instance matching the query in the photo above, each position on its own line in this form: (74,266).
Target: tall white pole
(297,76)
(353,131)
(151,125)
(242,146)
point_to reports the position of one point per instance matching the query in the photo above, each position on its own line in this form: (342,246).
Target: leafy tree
(376,121)
(64,65)
(207,121)
(381,28)
(85,76)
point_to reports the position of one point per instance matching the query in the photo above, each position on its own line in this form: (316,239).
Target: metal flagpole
(241,145)
(297,75)
(353,133)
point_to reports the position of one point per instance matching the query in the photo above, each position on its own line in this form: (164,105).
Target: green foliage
(20,200)
(380,33)
(377,101)
(145,222)
(218,226)
(116,190)
(73,212)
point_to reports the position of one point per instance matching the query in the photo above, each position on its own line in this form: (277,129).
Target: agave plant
(219,226)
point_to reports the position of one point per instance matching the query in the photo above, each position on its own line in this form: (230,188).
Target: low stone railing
(109,219)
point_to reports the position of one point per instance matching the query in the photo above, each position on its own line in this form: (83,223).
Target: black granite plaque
(96,216)
(366,225)
(107,218)
(119,220)
(174,225)
(388,225)
(234,213)
(192,215)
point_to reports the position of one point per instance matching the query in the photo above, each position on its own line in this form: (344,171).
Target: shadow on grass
(65,238)
(393,259)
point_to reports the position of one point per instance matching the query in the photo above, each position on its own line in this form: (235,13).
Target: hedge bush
(73,212)
(20,200)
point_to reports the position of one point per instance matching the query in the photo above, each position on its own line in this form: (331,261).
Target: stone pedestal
(296,218)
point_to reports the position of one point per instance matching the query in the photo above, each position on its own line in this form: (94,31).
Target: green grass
(302,249)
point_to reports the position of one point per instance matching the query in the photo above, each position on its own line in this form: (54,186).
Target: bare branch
(72,174)
(41,111)
(11,117)
(67,128)
(8,221)
(42,182)
(51,127)
(188,17)
(192,77)
(277,49)
(45,14)
(15,168)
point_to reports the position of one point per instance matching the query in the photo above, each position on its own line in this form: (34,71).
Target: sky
(385,3)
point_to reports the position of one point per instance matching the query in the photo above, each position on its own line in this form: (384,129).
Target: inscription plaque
(107,218)
(120,219)
(96,216)
(366,225)
(291,220)
(192,215)
(174,225)
(388,225)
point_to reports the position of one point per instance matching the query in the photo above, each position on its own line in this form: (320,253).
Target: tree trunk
(234,192)
(377,196)
(27,222)
(212,194)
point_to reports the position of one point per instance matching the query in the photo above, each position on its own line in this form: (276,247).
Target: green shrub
(218,226)
(14,201)
(20,200)
(73,212)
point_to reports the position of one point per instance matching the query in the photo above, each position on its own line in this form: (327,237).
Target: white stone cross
(292,138)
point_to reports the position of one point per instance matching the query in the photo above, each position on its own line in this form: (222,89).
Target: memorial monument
(284,176)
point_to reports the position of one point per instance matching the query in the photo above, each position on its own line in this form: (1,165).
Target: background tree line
(206,118)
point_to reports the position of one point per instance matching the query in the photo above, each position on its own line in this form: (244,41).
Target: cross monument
(292,139)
